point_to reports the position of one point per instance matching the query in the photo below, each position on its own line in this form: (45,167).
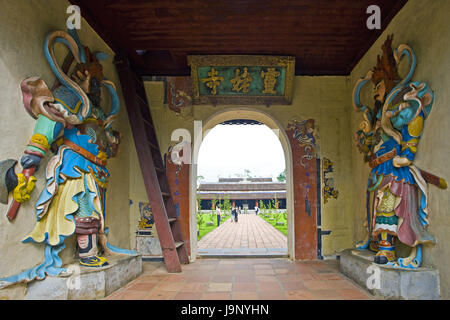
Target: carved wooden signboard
(240,79)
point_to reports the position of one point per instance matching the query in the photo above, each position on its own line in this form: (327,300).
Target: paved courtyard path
(251,235)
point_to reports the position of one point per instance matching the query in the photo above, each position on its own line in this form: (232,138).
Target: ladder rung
(141,99)
(147,123)
(178,244)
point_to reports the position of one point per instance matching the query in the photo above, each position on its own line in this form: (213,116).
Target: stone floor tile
(244,286)
(272,295)
(216,296)
(354,294)
(222,278)
(152,278)
(188,296)
(238,295)
(316,284)
(244,278)
(198,278)
(133,295)
(326,294)
(160,295)
(170,286)
(144,286)
(269,286)
(266,278)
(288,277)
(293,285)
(219,287)
(194,287)
(263,272)
(340,284)
(299,295)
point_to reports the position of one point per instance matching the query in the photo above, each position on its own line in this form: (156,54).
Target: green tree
(213,205)
(227,204)
(282,176)
(262,207)
(199,203)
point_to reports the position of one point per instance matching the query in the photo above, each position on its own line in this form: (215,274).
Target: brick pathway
(251,235)
(243,279)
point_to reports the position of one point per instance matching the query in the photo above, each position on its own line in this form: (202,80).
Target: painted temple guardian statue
(389,138)
(70,122)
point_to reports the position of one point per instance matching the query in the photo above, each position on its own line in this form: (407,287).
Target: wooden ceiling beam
(326,37)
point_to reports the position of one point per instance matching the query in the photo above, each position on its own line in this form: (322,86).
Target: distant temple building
(243,192)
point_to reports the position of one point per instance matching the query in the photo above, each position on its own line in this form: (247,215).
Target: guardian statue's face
(379,91)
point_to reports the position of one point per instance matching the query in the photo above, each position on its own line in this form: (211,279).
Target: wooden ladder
(153,171)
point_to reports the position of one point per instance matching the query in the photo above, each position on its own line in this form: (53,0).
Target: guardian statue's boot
(86,230)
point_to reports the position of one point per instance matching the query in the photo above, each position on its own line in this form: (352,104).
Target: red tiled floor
(244,286)
(194,287)
(243,279)
(188,296)
(354,294)
(245,295)
(316,284)
(326,294)
(272,295)
(161,295)
(142,286)
(170,286)
(216,296)
(269,286)
(299,295)
(133,295)
(293,285)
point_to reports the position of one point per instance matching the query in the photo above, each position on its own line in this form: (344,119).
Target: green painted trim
(46,127)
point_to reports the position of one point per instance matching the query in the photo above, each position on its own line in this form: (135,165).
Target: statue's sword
(14,208)
(434,180)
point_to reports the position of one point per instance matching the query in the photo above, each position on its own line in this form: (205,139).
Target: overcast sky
(228,150)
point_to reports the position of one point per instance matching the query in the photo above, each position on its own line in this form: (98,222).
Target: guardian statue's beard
(376,109)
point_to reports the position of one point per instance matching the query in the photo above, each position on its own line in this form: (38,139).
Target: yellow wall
(324,99)
(24,26)
(423,25)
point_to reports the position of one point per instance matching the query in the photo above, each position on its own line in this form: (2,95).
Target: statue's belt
(83,152)
(376,161)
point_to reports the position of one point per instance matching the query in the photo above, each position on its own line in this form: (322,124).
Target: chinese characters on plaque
(242,79)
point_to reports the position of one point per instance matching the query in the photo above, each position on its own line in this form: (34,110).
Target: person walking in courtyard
(256,210)
(218,215)
(234,213)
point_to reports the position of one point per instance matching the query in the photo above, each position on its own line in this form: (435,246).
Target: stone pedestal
(394,283)
(87,283)
(148,247)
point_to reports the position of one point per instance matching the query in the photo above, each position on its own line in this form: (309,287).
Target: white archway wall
(326,99)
